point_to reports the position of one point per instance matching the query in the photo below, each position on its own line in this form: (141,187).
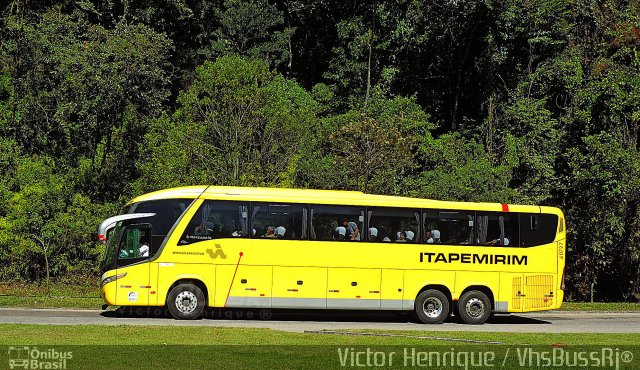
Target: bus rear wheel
(185,302)
(432,306)
(474,307)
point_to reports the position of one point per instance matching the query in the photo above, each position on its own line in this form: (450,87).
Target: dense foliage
(530,102)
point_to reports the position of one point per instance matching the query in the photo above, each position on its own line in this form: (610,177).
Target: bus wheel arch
(476,304)
(187,298)
(433,304)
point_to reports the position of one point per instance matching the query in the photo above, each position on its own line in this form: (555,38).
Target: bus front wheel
(432,306)
(474,307)
(185,302)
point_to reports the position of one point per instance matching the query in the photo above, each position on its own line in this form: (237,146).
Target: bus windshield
(109,258)
(166,213)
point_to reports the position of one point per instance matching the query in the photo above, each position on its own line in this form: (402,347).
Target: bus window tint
(216,220)
(497,228)
(336,223)
(279,221)
(448,227)
(393,224)
(537,229)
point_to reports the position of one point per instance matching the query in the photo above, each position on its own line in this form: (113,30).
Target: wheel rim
(432,307)
(475,308)
(186,302)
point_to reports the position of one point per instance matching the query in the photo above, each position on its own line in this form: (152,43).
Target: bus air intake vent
(539,291)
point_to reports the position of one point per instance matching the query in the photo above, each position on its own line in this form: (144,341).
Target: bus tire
(474,307)
(185,302)
(431,307)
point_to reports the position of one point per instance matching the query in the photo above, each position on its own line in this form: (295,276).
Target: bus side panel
(349,288)
(415,280)
(133,288)
(511,293)
(392,289)
(299,287)
(170,272)
(249,286)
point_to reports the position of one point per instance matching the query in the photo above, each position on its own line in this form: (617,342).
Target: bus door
(134,249)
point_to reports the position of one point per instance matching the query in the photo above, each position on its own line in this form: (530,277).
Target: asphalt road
(300,321)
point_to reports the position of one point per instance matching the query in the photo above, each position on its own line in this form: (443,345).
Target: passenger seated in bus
(201,230)
(373,234)
(410,234)
(355,231)
(386,239)
(497,241)
(271,232)
(401,237)
(433,237)
(143,251)
(341,233)
(348,230)
(280,230)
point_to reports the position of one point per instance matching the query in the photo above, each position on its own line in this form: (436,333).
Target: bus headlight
(106,281)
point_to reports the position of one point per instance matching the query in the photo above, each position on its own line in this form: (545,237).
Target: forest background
(534,102)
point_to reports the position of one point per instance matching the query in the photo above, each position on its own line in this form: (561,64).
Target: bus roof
(342,197)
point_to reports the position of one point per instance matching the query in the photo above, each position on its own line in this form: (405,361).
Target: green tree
(239,124)
(372,150)
(251,28)
(82,91)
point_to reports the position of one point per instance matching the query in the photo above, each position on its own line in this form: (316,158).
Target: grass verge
(165,347)
(29,334)
(601,306)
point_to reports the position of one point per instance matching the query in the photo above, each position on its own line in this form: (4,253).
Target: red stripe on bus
(232,279)
(505,207)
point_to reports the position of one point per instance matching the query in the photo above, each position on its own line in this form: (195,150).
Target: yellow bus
(194,247)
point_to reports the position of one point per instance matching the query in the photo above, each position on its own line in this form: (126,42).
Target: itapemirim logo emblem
(25,357)
(218,252)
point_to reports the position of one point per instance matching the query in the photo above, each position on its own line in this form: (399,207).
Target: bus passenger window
(448,227)
(216,220)
(497,228)
(279,221)
(537,229)
(337,223)
(393,224)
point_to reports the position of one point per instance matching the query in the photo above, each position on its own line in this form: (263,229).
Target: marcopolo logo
(36,358)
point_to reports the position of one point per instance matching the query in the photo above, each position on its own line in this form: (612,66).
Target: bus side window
(279,221)
(497,228)
(337,223)
(393,224)
(537,229)
(450,227)
(135,242)
(216,220)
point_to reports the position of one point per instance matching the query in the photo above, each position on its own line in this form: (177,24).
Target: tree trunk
(371,35)
(46,267)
